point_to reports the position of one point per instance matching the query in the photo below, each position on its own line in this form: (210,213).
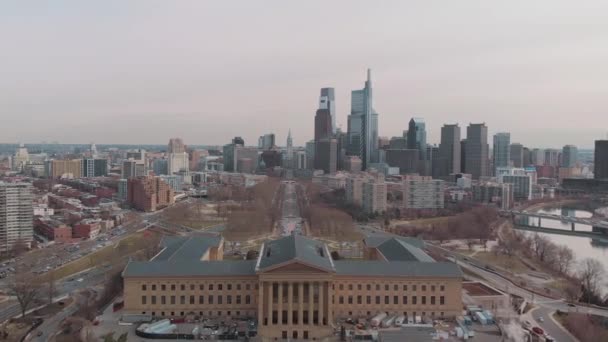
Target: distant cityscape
(293,207)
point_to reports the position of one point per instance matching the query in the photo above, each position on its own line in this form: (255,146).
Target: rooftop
(298,248)
(178,248)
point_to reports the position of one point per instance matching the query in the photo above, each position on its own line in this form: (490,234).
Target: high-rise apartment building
(569,156)
(600,161)
(327,100)
(476,151)
(517,154)
(501,149)
(149,193)
(16,215)
(449,149)
(363,125)
(416,137)
(374,194)
(94,167)
(422,192)
(133,168)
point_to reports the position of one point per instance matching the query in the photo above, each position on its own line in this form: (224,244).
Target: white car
(541,319)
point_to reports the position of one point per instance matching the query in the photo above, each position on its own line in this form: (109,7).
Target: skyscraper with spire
(327,100)
(289,150)
(363,125)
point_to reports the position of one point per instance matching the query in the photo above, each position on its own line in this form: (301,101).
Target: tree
(564,259)
(51,289)
(591,272)
(543,248)
(25,288)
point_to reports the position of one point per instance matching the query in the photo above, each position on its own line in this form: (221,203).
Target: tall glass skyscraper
(416,137)
(502,150)
(363,125)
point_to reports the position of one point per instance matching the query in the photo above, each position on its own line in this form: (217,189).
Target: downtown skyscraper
(476,151)
(501,150)
(449,149)
(363,125)
(327,101)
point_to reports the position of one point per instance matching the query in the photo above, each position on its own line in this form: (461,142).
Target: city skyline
(162,78)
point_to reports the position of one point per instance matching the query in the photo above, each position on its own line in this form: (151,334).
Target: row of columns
(266,295)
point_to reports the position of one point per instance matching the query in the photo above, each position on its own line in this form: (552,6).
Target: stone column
(261,303)
(280,306)
(270,286)
(290,303)
(330,306)
(321,304)
(311,302)
(301,304)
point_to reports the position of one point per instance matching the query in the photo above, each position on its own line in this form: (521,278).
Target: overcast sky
(144,71)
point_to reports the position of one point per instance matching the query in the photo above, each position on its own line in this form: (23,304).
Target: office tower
(537,156)
(416,137)
(195,158)
(397,143)
(326,155)
(238,141)
(552,157)
(266,141)
(20,159)
(463,155)
(449,149)
(527,159)
(501,149)
(363,125)
(476,162)
(310,154)
(93,150)
(406,160)
(322,133)
(301,160)
(569,156)
(66,168)
(517,154)
(176,145)
(160,167)
(94,167)
(600,160)
(327,100)
(422,192)
(148,193)
(16,215)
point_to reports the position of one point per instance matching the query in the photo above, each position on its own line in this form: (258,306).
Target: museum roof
(295,248)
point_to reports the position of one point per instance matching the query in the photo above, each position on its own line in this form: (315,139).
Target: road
(291,222)
(64,287)
(546,306)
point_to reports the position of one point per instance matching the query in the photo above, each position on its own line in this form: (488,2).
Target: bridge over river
(521,220)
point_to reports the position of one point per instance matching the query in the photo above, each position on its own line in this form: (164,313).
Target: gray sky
(144,71)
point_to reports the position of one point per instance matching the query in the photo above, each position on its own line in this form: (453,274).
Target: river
(583,247)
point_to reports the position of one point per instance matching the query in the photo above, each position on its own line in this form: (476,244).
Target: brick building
(149,193)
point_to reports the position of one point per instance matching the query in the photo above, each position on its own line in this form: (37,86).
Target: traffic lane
(551,328)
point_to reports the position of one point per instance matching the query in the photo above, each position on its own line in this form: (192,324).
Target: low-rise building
(295,288)
(87,229)
(149,193)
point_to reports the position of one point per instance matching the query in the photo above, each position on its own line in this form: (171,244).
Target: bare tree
(25,288)
(564,259)
(51,289)
(543,248)
(591,272)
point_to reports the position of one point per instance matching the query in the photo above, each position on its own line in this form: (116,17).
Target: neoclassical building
(294,288)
